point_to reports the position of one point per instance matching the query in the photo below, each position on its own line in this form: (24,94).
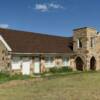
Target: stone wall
(4,58)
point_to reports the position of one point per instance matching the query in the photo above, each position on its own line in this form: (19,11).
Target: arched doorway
(92,63)
(79,64)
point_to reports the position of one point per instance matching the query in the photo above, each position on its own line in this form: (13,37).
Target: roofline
(84,28)
(16,53)
(5,43)
(45,34)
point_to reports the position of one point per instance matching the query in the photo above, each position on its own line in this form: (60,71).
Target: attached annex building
(28,52)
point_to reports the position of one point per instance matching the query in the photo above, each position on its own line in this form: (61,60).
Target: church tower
(84,47)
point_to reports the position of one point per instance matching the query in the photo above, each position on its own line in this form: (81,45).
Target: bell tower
(84,46)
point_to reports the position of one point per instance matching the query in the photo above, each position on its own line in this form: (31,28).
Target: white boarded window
(49,62)
(66,61)
(16,63)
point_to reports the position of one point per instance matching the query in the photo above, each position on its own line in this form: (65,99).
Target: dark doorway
(79,64)
(92,63)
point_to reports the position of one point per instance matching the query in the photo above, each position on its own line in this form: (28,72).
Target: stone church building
(29,52)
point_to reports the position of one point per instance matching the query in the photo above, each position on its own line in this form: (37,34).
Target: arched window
(79,43)
(92,41)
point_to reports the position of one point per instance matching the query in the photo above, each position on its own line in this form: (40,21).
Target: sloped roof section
(30,42)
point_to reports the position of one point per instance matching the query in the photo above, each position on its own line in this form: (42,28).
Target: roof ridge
(37,33)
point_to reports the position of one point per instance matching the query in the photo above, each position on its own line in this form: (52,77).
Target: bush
(66,69)
(60,70)
(19,77)
(4,77)
(53,70)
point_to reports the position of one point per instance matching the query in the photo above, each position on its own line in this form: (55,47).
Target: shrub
(66,69)
(19,77)
(53,70)
(7,77)
(60,70)
(4,77)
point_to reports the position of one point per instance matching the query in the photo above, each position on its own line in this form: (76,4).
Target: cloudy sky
(56,17)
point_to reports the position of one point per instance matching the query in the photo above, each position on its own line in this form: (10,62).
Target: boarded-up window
(49,62)
(16,63)
(66,61)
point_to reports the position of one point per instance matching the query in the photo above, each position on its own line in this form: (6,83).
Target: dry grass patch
(81,86)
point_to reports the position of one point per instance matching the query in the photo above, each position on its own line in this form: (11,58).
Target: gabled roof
(29,42)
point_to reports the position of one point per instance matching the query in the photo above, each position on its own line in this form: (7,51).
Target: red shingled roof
(29,42)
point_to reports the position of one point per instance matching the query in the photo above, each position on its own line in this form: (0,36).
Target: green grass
(5,77)
(72,86)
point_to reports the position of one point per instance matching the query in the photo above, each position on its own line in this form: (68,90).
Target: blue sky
(56,17)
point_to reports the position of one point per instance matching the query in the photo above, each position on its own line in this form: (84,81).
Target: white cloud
(41,7)
(47,7)
(56,6)
(4,25)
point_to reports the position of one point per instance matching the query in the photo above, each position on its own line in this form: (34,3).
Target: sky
(55,17)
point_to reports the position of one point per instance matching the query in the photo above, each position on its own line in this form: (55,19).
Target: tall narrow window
(47,59)
(79,43)
(66,61)
(92,41)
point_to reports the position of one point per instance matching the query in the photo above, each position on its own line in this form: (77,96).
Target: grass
(5,77)
(71,86)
